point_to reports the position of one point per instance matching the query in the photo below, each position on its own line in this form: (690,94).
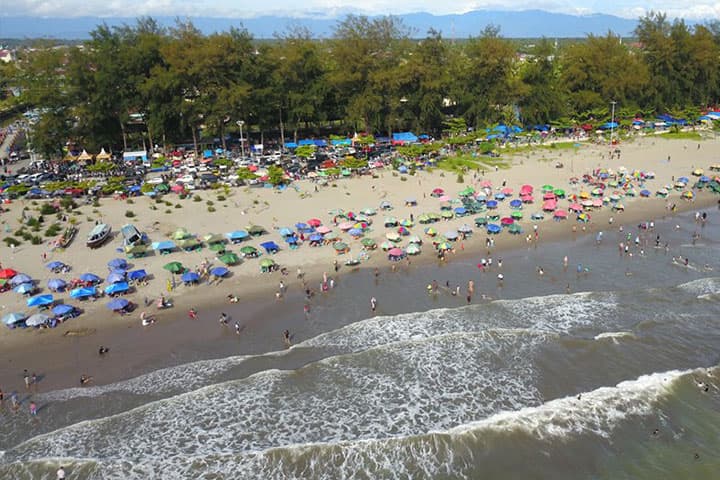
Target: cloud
(328,8)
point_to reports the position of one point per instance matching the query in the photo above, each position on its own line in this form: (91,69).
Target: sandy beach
(63,353)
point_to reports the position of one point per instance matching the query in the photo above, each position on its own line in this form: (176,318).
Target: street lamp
(240,124)
(612,121)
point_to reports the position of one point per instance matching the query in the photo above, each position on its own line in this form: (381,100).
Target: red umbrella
(526,190)
(7,273)
(486,184)
(314,222)
(507,221)
(253,168)
(507,191)
(549,205)
(527,199)
(177,188)
(438,191)
(395,252)
(576,207)
(560,214)
(549,196)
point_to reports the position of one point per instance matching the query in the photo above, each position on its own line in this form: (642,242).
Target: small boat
(98,235)
(67,237)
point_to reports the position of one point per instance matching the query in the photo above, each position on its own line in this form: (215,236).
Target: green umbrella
(559,192)
(467,192)
(267,262)
(434,216)
(516,215)
(547,188)
(217,247)
(386,246)
(340,246)
(412,249)
(256,230)
(424,218)
(229,258)
(368,242)
(188,243)
(180,233)
(161,187)
(480,221)
(248,250)
(515,228)
(447,214)
(174,267)
(136,250)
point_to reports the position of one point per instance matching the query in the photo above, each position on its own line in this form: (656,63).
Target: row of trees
(175,84)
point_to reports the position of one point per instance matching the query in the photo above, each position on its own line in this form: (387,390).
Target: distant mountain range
(513,24)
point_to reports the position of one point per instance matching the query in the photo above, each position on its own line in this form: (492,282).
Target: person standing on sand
(61,473)
(26,377)
(286,338)
(373,304)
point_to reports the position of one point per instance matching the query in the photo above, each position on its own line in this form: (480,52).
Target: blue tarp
(407,137)
(291,145)
(306,142)
(118,304)
(117,288)
(165,245)
(270,247)
(83,292)
(62,309)
(137,275)
(207,154)
(40,300)
(608,125)
(345,142)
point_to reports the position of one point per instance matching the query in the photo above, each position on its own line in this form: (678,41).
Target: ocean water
(606,383)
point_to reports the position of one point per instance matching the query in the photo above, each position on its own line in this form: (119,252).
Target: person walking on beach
(286,338)
(237,328)
(33,409)
(373,304)
(26,377)
(192,313)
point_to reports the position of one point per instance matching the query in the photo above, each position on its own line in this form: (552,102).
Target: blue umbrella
(40,300)
(315,237)
(354,232)
(116,277)
(166,245)
(301,226)
(499,196)
(219,271)
(117,288)
(118,304)
(89,277)
(12,318)
(704,179)
(516,203)
(56,284)
(190,277)
(118,263)
(460,210)
(237,235)
(55,265)
(83,292)
(24,288)
(20,278)
(291,240)
(270,246)
(134,188)
(62,309)
(645,193)
(493,228)
(285,232)
(683,179)
(492,204)
(137,275)
(37,320)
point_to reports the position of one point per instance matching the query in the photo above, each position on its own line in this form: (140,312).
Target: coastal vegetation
(145,84)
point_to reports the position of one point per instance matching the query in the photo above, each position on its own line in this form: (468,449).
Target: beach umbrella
(137,275)
(90,277)
(583,217)
(119,287)
(392,236)
(464,228)
(412,249)
(189,243)
(368,242)
(117,263)
(597,203)
(443,246)
(62,309)
(40,300)
(219,271)
(237,235)
(256,230)
(344,226)
(460,211)
(480,221)
(53,266)
(190,276)
(248,250)
(515,229)
(517,203)
(368,211)
(285,232)
(390,222)
(56,284)
(492,204)
(549,205)
(340,246)
(217,247)
(486,184)
(560,214)
(430,231)
(447,214)
(330,236)
(213,238)
(526,189)
(24,288)
(396,252)
(423,218)
(7,273)
(314,222)
(547,188)
(559,192)
(414,239)
(229,258)
(403,231)
(82,292)
(267,262)
(506,221)
(386,245)
(451,235)
(500,196)
(115,278)
(166,245)
(619,206)
(356,232)
(704,179)
(516,215)
(437,192)
(385,205)
(406,223)
(687,194)
(174,267)
(19,279)
(180,234)
(576,207)
(118,304)
(537,216)
(645,193)
(493,228)
(323,230)
(662,192)
(507,191)
(13,318)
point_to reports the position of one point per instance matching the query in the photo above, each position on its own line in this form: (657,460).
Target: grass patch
(459,163)
(695,136)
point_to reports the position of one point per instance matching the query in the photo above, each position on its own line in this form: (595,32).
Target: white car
(154,181)
(185,179)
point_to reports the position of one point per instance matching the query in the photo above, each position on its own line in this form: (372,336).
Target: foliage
(47,209)
(305,151)
(276,175)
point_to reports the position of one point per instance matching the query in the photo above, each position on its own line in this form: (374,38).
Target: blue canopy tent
(164,247)
(118,304)
(608,125)
(345,142)
(404,138)
(25,288)
(115,277)
(90,277)
(62,309)
(56,284)
(137,275)
(40,300)
(118,263)
(270,247)
(83,292)
(117,288)
(19,279)
(219,271)
(306,142)
(291,145)
(190,277)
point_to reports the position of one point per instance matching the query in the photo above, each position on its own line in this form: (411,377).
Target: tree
(276,175)
(543,92)
(305,151)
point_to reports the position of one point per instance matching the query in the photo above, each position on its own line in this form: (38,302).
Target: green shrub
(197,198)
(47,209)
(129,201)
(36,240)
(221,198)
(52,230)
(460,178)
(168,211)
(68,203)
(211,209)
(177,205)
(129,213)
(209,203)
(11,241)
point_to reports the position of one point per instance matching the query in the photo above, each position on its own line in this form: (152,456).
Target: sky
(699,9)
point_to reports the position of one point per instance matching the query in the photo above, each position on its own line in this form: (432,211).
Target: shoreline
(135,350)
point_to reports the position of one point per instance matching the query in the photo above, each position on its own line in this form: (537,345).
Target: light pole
(612,121)
(240,124)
